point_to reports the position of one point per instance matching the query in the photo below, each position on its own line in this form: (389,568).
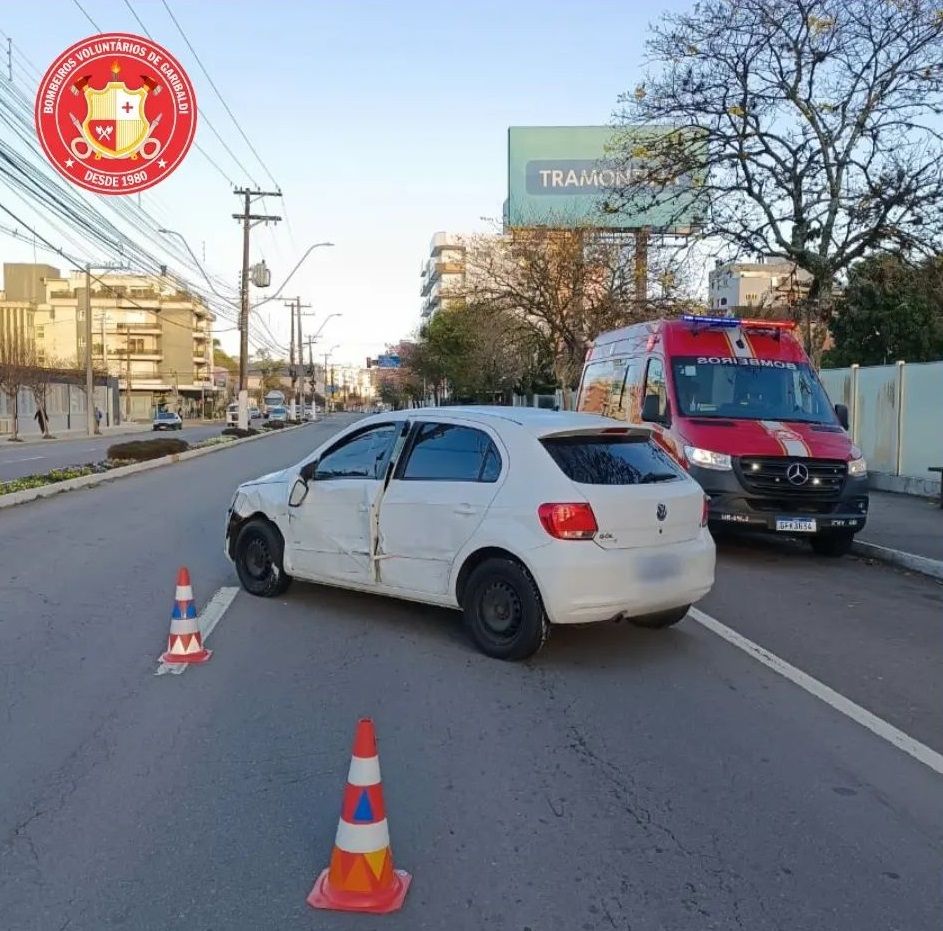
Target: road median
(87,481)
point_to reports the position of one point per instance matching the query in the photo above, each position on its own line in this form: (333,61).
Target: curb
(922,564)
(87,481)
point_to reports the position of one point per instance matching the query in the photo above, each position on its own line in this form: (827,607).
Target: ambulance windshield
(750,389)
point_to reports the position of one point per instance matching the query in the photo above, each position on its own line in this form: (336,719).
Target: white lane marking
(21,459)
(212,614)
(860,715)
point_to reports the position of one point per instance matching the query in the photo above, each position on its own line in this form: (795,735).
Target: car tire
(661,618)
(258,558)
(832,544)
(504,613)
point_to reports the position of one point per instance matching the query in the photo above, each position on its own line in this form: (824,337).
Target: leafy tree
(270,372)
(807,126)
(223,359)
(890,310)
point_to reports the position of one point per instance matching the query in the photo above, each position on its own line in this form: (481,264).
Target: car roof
(537,421)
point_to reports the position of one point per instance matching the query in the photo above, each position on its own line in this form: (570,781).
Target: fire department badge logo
(115,113)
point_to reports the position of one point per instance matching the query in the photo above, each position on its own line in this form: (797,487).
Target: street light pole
(91,424)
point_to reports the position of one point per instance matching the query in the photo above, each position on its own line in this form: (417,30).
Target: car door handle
(464,509)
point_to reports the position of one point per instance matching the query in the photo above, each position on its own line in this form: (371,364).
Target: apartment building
(443,274)
(156,339)
(23,289)
(768,284)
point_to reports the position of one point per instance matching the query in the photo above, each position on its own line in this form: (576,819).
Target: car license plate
(796,524)
(659,566)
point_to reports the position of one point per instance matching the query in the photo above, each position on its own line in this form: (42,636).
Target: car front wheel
(258,558)
(504,613)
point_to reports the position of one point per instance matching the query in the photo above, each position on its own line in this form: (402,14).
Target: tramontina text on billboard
(560,176)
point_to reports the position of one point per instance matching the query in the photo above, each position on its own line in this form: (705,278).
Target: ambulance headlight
(858,467)
(707,458)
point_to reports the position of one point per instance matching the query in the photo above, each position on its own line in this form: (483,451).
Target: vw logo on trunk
(797,474)
(661,512)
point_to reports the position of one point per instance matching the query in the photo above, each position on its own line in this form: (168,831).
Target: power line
(216,90)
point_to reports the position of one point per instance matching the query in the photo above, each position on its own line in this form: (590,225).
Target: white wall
(896,414)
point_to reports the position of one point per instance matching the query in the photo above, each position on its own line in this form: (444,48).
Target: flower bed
(120,454)
(47,478)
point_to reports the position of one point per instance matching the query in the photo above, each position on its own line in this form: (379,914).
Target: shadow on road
(429,629)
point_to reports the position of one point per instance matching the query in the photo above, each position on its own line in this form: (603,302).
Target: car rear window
(598,459)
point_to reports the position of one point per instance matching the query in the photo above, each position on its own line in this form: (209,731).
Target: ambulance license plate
(796,524)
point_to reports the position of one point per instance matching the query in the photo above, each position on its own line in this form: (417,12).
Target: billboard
(559,176)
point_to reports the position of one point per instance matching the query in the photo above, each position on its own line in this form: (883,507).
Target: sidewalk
(902,526)
(81,434)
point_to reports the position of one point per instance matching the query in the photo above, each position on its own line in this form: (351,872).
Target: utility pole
(314,387)
(249,220)
(91,424)
(291,353)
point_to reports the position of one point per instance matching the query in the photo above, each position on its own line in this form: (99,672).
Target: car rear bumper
(734,507)
(600,584)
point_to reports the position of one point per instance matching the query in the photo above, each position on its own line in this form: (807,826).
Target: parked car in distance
(309,413)
(739,404)
(254,412)
(167,420)
(278,414)
(521,518)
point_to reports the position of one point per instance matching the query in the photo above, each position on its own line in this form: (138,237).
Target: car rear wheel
(661,618)
(258,558)
(832,544)
(504,613)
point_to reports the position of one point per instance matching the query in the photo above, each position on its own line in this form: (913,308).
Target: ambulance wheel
(661,619)
(832,544)
(258,559)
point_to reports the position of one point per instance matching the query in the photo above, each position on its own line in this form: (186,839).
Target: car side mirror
(842,413)
(651,412)
(299,491)
(309,470)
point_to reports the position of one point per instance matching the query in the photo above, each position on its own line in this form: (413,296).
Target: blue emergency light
(739,322)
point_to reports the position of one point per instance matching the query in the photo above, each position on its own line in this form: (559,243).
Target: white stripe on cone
(362,838)
(184,593)
(364,771)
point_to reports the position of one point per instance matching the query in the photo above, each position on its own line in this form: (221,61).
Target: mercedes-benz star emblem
(797,474)
(661,512)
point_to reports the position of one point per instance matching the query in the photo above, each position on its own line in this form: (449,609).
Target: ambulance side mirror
(842,413)
(651,410)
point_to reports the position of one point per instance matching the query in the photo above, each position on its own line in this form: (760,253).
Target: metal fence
(896,418)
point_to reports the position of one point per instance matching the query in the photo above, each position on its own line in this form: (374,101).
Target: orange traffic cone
(361,877)
(185,642)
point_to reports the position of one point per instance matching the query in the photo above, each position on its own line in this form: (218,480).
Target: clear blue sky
(382,122)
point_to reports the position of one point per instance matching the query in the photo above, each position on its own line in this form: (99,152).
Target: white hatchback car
(520,517)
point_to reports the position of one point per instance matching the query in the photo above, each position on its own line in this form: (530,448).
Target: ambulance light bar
(739,322)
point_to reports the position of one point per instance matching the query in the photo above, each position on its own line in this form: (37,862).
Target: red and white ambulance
(739,405)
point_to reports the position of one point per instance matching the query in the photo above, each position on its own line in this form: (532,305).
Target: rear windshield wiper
(649,477)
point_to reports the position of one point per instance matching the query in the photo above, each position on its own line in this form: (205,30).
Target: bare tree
(564,287)
(16,359)
(39,377)
(806,129)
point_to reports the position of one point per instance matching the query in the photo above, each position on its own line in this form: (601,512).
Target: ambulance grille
(769,475)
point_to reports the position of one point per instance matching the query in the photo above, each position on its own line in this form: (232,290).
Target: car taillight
(568,521)
(705,511)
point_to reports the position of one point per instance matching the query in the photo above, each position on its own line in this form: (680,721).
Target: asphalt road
(19,459)
(622,779)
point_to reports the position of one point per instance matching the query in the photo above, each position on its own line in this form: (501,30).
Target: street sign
(390,361)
